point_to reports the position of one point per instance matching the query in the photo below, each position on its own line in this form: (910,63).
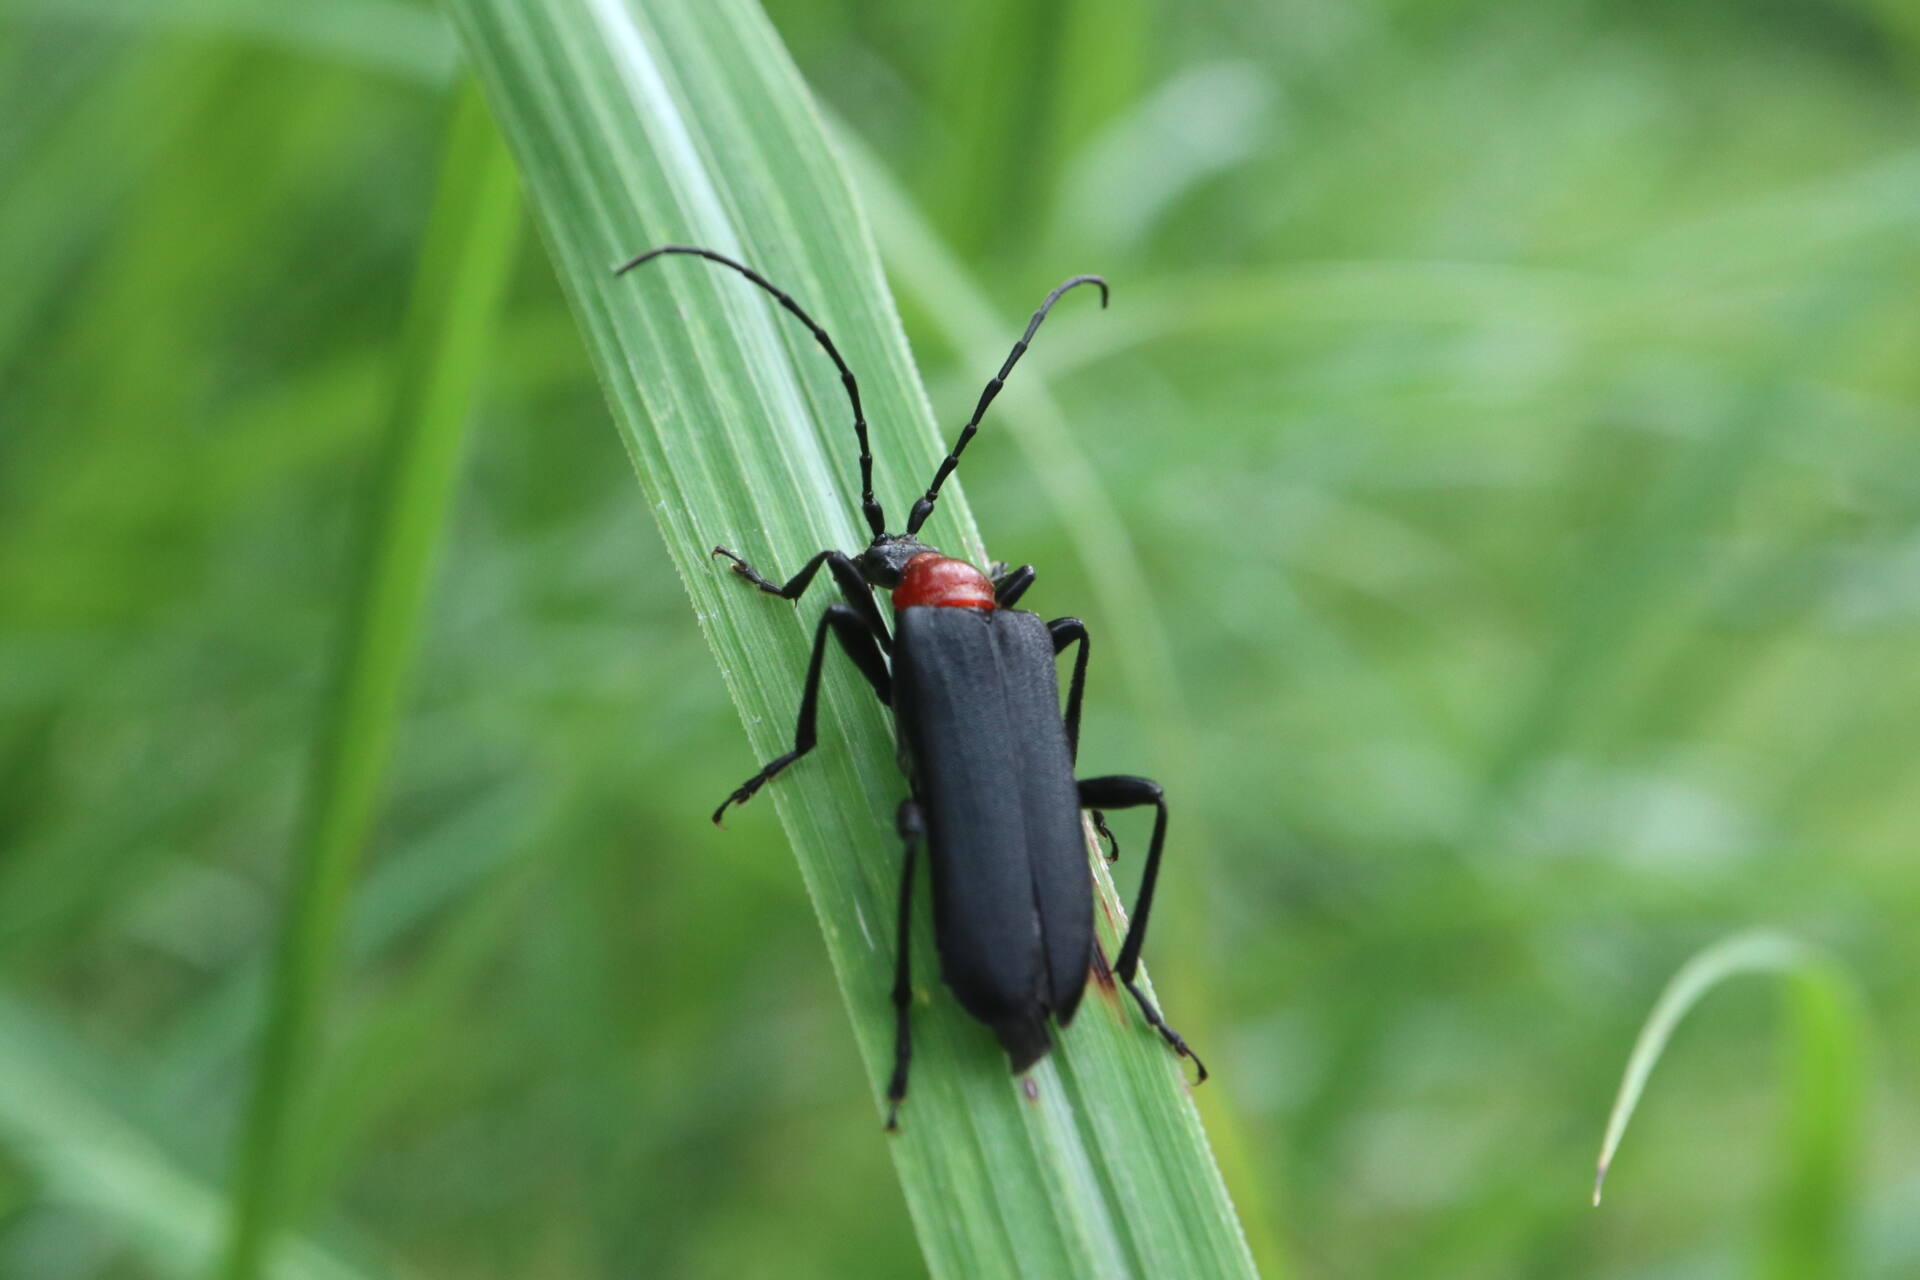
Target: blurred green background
(1512,411)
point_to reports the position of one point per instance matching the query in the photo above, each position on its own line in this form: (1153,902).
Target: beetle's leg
(857,593)
(913,830)
(845,573)
(1123,792)
(794,586)
(1101,830)
(850,629)
(1067,631)
(1008,587)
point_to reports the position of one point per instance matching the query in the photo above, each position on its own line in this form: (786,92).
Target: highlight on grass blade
(1825,1088)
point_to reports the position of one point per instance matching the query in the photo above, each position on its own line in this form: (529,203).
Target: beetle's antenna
(876,518)
(924,507)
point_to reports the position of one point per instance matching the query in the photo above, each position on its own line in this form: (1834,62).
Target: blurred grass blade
(1806,1235)
(461,277)
(385,37)
(62,1119)
(684,121)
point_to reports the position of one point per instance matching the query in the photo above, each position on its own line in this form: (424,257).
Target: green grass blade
(1806,1235)
(1820,1158)
(637,125)
(462,274)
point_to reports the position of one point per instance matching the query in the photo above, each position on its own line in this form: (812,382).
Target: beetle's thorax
(943,582)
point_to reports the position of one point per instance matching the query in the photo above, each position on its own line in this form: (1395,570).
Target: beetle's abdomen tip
(1025,1039)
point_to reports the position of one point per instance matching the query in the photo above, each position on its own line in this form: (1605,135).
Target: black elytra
(988,752)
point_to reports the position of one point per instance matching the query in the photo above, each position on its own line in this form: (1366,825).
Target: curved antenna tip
(648,256)
(1084,279)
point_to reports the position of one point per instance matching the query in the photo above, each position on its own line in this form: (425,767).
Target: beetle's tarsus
(1181,1047)
(748,572)
(1175,1041)
(748,789)
(1100,829)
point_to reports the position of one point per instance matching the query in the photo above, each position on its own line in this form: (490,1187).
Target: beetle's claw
(1178,1043)
(1101,830)
(738,797)
(1185,1050)
(1198,1065)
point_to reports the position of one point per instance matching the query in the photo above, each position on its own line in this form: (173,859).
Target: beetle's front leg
(794,586)
(860,644)
(845,573)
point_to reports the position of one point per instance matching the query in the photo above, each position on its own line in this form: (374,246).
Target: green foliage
(1490,492)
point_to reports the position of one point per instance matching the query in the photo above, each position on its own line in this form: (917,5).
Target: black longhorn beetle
(988,756)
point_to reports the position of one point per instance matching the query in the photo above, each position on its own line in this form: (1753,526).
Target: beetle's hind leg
(860,643)
(1105,834)
(913,831)
(1123,792)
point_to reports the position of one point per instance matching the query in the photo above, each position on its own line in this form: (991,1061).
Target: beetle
(988,753)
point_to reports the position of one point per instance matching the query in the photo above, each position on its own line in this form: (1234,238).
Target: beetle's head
(886,558)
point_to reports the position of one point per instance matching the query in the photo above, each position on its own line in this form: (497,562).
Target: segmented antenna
(876,518)
(924,507)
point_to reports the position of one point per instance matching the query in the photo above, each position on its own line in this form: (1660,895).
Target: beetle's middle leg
(1123,792)
(860,643)
(913,830)
(1010,585)
(1066,631)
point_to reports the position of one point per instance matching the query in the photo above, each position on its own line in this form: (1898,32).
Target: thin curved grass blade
(1825,1032)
